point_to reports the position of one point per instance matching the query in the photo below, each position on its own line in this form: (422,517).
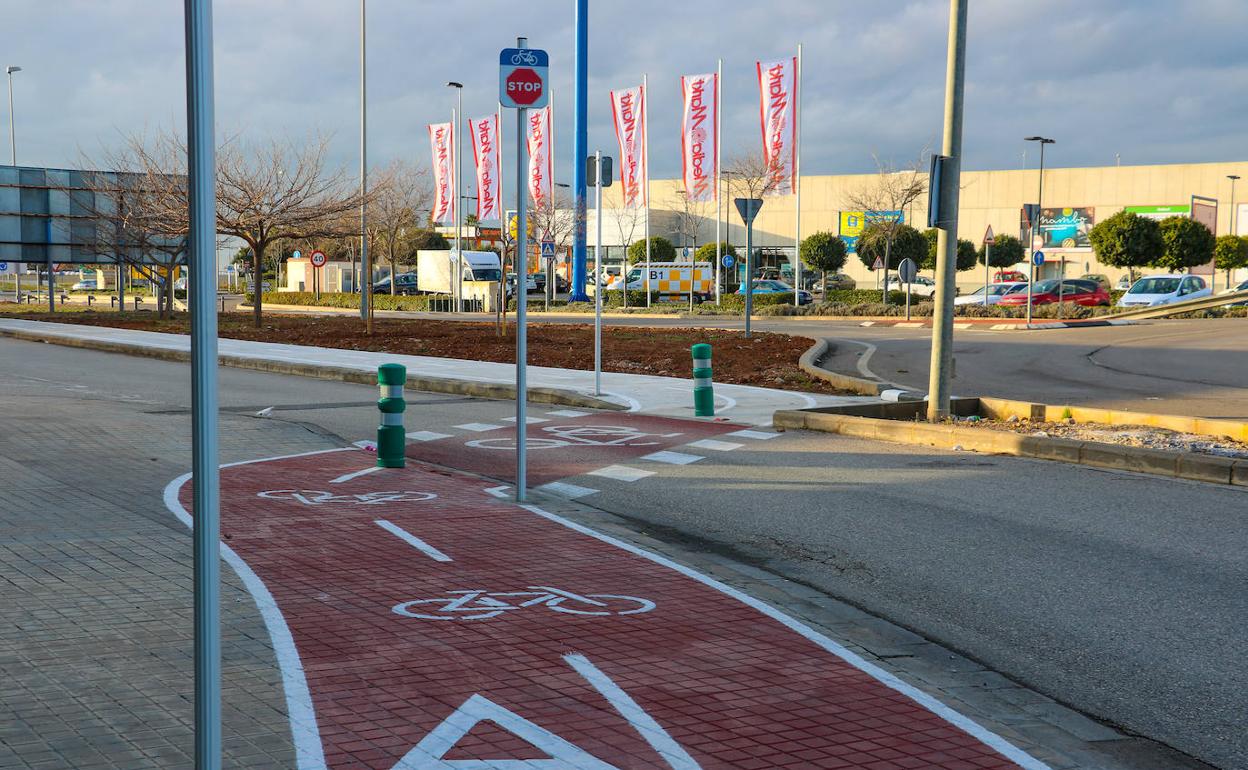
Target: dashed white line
(759,435)
(479,427)
(567,413)
(412,540)
(354,475)
(672,458)
(527,420)
(714,446)
(564,489)
(621,473)
(426,435)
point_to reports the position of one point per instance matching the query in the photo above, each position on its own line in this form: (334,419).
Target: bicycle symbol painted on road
(574,435)
(482,605)
(316,497)
(524,57)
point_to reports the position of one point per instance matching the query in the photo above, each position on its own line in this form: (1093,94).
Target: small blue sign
(523,57)
(1037,259)
(548,249)
(4,267)
(297,254)
(727,260)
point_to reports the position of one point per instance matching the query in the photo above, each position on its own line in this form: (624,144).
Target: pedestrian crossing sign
(548,249)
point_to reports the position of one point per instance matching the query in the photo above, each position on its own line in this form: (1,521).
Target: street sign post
(600,176)
(907,271)
(318,260)
(748,208)
(548,249)
(1037,260)
(727,261)
(990,240)
(522,74)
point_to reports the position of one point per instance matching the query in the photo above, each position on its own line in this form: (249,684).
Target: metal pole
(205,481)
(12,119)
(1234,228)
(366,281)
(797,180)
(719,198)
(598,275)
(48,255)
(1035,230)
(987,262)
(580,151)
(645,165)
(522,300)
(749,275)
(456,119)
(947,235)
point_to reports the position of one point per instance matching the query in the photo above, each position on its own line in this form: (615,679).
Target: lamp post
(459,209)
(9,70)
(366,280)
(1035,229)
(1234,219)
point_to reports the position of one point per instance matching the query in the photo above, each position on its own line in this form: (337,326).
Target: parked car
(995,292)
(1048,292)
(1164,289)
(922,286)
(530,284)
(1241,287)
(405,283)
(1099,278)
(841,281)
(1123,283)
(1009,276)
(777,287)
(86,284)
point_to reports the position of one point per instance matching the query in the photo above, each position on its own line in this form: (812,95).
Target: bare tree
(887,195)
(689,217)
(281,190)
(748,173)
(404,195)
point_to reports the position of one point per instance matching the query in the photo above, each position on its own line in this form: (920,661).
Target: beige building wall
(988,198)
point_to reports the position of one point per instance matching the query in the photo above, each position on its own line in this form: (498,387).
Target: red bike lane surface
(421,623)
(566,446)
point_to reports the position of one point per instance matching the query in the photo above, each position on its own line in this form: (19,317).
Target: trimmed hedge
(861,296)
(352,300)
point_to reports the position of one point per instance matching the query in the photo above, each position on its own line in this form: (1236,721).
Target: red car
(1076,291)
(1009,276)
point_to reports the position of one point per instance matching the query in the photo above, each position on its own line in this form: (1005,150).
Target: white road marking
(672,458)
(760,435)
(621,473)
(501,493)
(564,489)
(412,540)
(714,446)
(527,420)
(567,413)
(354,475)
(426,435)
(643,723)
(479,427)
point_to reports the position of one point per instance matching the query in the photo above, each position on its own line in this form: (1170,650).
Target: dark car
(405,283)
(1073,290)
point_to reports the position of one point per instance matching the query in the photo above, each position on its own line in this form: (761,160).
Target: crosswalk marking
(714,446)
(672,458)
(621,473)
(759,435)
(479,427)
(426,435)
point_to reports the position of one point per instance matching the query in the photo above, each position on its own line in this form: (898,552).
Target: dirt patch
(1143,436)
(765,360)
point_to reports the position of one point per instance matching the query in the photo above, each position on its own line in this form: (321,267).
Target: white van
(671,279)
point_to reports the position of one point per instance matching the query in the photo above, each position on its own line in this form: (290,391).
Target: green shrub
(352,300)
(859,296)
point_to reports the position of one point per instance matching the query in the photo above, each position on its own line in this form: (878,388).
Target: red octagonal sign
(524,86)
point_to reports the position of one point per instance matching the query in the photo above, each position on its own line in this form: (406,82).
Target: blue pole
(580,150)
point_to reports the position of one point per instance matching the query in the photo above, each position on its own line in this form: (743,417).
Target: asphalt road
(1121,595)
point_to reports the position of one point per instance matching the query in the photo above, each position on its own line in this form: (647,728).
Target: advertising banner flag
(487,156)
(628,111)
(441,141)
(777,95)
(541,158)
(697,136)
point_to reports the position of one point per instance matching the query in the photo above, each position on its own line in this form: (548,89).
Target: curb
(493,390)
(808,362)
(1181,465)
(999,325)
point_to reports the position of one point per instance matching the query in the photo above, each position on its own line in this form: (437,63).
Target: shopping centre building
(1074,200)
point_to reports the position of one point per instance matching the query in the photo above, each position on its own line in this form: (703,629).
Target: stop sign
(524,86)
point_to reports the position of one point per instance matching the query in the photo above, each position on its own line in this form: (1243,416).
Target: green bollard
(391,437)
(703,393)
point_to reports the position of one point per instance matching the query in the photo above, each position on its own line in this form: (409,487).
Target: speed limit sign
(318,258)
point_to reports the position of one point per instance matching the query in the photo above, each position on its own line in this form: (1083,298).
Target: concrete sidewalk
(668,396)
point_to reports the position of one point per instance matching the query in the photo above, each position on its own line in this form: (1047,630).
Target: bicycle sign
(578,435)
(316,497)
(522,78)
(483,605)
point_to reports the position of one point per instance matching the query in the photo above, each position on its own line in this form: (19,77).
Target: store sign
(854,222)
(1062,229)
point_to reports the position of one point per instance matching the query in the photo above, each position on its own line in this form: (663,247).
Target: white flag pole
(719,76)
(797,180)
(645,165)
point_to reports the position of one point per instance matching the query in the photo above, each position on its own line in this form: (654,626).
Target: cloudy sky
(1155,81)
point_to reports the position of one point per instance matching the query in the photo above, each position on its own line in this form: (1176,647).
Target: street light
(459,209)
(9,70)
(1034,223)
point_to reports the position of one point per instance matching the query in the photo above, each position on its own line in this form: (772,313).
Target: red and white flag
(697,136)
(777,93)
(628,113)
(441,141)
(541,158)
(488,157)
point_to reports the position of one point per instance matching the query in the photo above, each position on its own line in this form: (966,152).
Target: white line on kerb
(643,723)
(412,540)
(354,475)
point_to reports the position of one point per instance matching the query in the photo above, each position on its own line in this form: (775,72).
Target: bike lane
(421,623)
(566,446)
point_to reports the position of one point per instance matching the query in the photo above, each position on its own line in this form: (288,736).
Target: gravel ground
(1124,435)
